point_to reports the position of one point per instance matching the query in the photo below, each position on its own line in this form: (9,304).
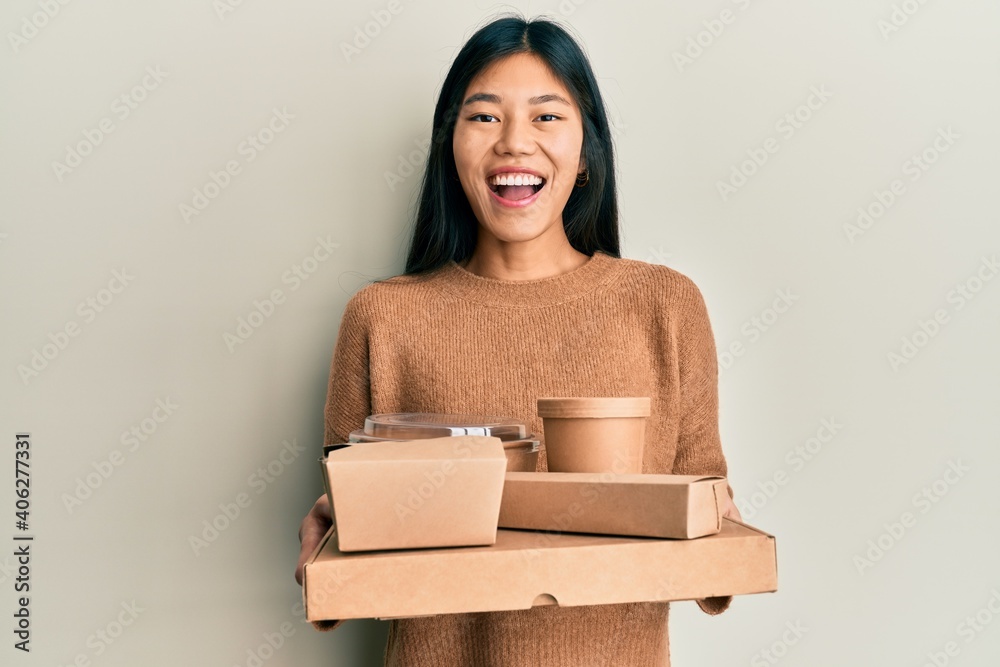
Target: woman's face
(518,121)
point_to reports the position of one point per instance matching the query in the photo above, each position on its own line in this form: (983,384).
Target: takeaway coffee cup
(594,434)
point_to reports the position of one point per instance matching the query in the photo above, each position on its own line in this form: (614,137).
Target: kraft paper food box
(524,569)
(646,505)
(435,492)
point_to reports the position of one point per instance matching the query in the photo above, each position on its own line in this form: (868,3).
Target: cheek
(467,156)
(460,152)
(566,152)
(466,163)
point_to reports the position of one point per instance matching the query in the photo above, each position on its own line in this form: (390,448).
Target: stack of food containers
(408,485)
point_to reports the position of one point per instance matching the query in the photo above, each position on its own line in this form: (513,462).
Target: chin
(514,233)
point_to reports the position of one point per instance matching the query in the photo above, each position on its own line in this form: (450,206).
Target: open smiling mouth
(515,187)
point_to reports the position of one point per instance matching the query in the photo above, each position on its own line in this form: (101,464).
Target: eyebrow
(495,99)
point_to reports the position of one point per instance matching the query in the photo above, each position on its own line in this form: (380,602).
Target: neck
(526,260)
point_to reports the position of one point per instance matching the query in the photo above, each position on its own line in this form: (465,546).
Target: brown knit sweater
(455,342)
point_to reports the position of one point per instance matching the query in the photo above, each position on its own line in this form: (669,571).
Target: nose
(515,138)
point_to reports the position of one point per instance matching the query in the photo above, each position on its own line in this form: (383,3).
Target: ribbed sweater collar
(592,276)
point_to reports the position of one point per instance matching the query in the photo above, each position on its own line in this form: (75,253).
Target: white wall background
(894,74)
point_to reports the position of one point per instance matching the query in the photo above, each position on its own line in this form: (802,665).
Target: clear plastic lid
(418,425)
(528,444)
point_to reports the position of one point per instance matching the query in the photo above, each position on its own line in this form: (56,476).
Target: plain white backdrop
(192,190)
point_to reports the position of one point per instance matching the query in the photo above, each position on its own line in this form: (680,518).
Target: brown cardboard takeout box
(437,492)
(529,568)
(674,506)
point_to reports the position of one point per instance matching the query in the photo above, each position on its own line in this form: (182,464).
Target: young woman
(515,289)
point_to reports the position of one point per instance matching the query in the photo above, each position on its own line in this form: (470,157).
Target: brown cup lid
(568,408)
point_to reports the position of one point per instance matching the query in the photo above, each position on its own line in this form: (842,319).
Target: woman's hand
(314,527)
(729,510)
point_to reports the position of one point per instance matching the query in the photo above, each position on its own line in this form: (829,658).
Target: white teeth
(516,179)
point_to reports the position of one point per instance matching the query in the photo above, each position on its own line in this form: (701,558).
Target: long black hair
(446,228)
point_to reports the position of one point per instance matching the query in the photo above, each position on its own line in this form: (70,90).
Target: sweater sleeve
(699,448)
(348,398)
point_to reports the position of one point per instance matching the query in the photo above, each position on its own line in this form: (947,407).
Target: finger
(312,533)
(322,507)
(315,525)
(732,512)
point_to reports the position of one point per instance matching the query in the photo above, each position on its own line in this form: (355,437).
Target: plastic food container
(520,447)
(594,434)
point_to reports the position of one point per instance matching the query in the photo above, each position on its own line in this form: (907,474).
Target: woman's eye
(488,117)
(549,115)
